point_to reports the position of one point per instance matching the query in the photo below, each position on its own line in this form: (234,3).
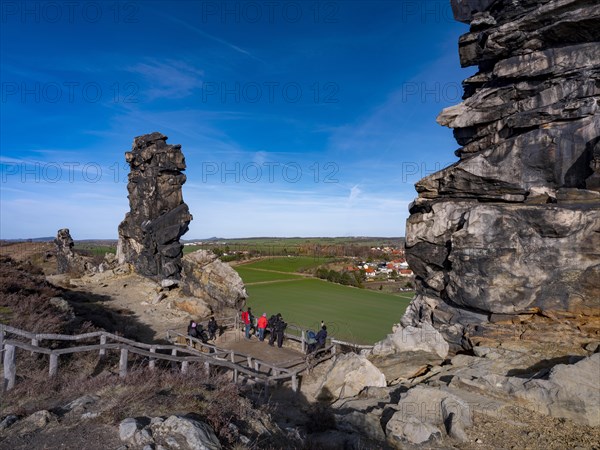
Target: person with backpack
(311,340)
(212,328)
(321,338)
(246,319)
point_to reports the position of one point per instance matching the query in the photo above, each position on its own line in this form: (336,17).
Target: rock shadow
(96,309)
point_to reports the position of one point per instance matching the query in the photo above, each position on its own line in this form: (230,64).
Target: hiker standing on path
(212,328)
(261,325)
(272,323)
(191,329)
(279,329)
(246,318)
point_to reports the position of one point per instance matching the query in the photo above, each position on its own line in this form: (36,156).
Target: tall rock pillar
(158,217)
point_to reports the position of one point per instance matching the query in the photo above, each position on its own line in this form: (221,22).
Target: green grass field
(250,275)
(286,264)
(356,315)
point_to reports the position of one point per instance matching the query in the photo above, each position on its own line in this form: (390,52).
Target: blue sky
(296,118)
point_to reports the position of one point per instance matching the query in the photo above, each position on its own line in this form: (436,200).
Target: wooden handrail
(223,358)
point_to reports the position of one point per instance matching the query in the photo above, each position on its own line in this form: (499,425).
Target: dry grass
(24,295)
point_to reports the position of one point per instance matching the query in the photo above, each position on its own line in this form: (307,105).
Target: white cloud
(168,79)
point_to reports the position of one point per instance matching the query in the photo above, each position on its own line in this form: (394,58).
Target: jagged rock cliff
(505,243)
(149,234)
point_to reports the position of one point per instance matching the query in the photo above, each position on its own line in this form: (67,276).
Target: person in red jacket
(261,325)
(247,319)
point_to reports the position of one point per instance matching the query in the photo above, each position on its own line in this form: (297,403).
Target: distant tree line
(355,278)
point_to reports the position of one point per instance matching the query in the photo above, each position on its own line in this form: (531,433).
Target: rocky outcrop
(158,217)
(409,352)
(509,235)
(209,279)
(67,261)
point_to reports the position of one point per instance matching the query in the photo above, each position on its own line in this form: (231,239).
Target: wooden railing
(183,350)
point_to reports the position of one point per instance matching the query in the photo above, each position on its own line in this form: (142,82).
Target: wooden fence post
(152,363)
(34,342)
(207,368)
(249,362)
(1,339)
(102,342)
(303,341)
(295,382)
(10,366)
(256,365)
(53,370)
(184,367)
(173,363)
(123,363)
(235,372)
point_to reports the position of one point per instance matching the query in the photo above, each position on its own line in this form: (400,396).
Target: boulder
(206,277)
(423,338)
(426,414)
(158,217)
(349,374)
(173,432)
(187,432)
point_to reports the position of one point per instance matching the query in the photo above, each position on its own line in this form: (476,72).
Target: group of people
(275,325)
(196,330)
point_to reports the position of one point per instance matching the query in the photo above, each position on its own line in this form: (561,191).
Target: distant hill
(38,239)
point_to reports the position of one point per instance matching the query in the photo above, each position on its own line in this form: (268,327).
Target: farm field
(355,315)
(286,264)
(250,275)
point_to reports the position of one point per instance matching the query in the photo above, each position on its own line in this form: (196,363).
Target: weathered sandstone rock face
(509,235)
(158,217)
(206,277)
